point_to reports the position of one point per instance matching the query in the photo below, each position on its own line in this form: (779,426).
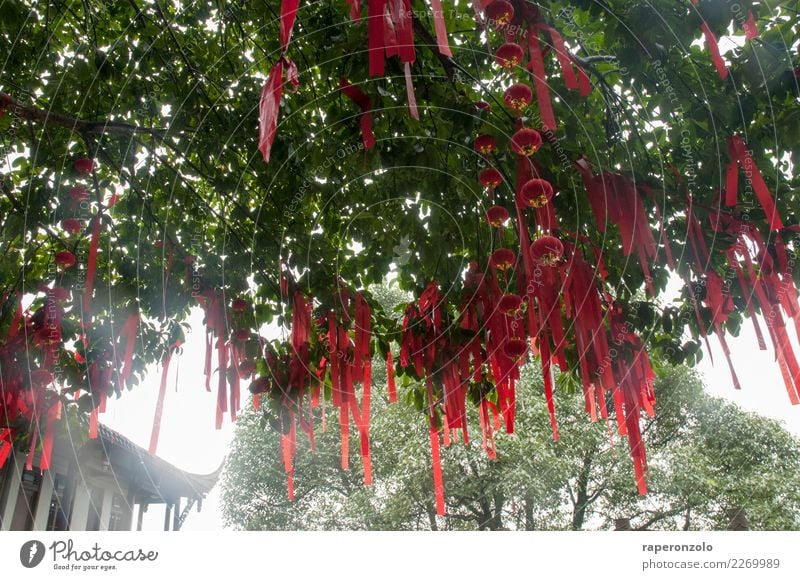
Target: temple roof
(122,463)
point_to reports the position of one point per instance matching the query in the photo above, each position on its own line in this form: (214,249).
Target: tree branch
(82,126)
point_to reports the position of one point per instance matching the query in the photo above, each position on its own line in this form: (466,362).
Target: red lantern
(536,193)
(497,215)
(510,304)
(503,259)
(485,144)
(499,13)
(72,225)
(483,106)
(65,259)
(509,55)
(239,305)
(518,96)
(84,165)
(515,348)
(490,177)
(547,250)
(78,193)
(526,142)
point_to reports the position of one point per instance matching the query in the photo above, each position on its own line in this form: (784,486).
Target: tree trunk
(529,524)
(581,494)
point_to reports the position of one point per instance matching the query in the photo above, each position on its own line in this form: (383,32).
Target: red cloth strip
(750,27)
(540,81)
(355,9)
(268,109)
(412,99)
(288,15)
(390,377)
(760,188)
(91,267)
(365,104)
(570,80)
(713,48)
(159,405)
(441,28)
(375,37)
(731,177)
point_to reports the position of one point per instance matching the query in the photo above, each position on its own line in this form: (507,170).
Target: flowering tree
(533,173)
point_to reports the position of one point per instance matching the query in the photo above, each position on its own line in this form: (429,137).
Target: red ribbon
(365,104)
(160,404)
(713,48)
(91,267)
(540,81)
(742,155)
(270,101)
(441,28)
(355,9)
(750,27)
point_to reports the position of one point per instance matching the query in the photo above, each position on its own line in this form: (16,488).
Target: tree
(707,456)
(135,189)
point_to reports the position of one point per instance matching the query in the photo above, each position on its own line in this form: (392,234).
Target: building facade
(106,484)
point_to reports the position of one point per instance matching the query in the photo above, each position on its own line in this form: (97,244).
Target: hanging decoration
(269,105)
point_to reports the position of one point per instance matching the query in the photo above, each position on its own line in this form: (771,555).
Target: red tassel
(363,101)
(540,81)
(160,404)
(713,48)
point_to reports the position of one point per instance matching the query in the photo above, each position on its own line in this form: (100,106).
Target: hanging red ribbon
(750,27)
(441,28)
(742,155)
(540,80)
(160,404)
(269,104)
(91,267)
(713,48)
(365,104)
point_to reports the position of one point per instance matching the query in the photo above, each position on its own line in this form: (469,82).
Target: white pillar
(43,502)
(80,507)
(105,511)
(12,489)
